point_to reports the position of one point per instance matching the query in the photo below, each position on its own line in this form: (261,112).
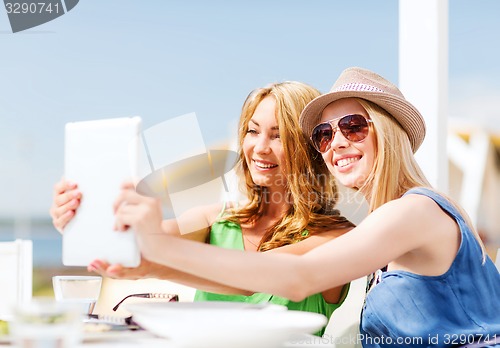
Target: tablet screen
(99,156)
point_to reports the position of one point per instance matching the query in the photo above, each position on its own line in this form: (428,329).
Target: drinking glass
(81,290)
(46,323)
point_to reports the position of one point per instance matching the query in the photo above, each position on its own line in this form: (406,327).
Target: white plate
(223,324)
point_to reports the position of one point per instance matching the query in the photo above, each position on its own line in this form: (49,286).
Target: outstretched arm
(394,230)
(148,269)
(144,213)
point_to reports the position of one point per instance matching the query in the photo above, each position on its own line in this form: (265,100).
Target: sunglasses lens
(321,136)
(353,127)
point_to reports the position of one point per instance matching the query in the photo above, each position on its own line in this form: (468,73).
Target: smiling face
(350,162)
(262,147)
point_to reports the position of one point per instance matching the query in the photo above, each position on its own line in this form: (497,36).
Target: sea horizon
(47,241)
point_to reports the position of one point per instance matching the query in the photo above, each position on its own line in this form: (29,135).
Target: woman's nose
(262,145)
(338,141)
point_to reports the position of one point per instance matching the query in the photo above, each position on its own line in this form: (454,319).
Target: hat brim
(405,113)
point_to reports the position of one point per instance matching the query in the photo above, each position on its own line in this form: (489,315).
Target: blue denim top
(455,308)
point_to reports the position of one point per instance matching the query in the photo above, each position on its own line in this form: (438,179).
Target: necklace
(250,241)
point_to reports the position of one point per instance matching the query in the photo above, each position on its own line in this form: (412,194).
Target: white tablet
(99,156)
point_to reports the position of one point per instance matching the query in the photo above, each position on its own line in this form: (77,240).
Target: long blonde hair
(310,187)
(396,170)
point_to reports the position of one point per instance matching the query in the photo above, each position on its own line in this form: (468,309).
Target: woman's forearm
(171,274)
(284,276)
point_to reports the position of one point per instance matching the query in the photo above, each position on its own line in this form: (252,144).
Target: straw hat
(361,83)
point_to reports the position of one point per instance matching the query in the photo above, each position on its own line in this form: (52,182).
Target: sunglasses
(169,297)
(353,127)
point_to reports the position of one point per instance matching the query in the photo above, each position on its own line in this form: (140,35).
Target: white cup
(81,290)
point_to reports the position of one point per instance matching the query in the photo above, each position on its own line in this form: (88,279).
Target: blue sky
(161,59)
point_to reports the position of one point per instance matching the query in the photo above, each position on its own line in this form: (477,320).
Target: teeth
(345,161)
(264,165)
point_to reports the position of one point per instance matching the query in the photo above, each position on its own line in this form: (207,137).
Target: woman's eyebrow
(258,125)
(254,122)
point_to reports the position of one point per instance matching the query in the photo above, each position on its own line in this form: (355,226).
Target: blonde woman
(290,207)
(432,284)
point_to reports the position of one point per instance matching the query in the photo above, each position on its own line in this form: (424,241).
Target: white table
(124,339)
(131,339)
(141,338)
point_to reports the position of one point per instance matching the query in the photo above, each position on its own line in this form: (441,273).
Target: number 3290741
(32,7)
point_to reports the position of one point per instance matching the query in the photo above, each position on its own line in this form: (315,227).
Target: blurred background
(161,59)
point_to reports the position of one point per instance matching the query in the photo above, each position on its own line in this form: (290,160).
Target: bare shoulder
(427,236)
(194,222)
(414,218)
(409,208)
(429,215)
(210,212)
(423,207)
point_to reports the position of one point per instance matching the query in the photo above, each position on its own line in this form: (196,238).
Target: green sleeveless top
(227,234)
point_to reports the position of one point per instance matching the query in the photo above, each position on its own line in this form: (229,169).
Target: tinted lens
(322,136)
(353,127)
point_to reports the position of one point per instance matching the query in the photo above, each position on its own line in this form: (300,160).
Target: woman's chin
(351,181)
